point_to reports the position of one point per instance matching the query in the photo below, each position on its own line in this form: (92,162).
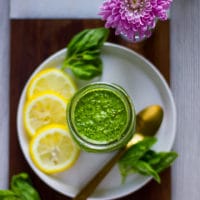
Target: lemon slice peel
(43,109)
(53,79)
(52,149)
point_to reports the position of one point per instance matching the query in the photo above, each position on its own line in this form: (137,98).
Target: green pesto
(100,116)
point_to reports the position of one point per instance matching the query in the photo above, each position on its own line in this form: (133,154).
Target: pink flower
(133,18)
(160,8)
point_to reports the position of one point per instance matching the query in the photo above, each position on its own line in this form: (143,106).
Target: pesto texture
(100,116)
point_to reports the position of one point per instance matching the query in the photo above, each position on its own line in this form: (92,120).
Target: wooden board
(32,41)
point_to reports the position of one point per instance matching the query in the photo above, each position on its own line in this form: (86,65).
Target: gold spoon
(148,122)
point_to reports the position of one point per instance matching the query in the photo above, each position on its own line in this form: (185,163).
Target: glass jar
(101,117)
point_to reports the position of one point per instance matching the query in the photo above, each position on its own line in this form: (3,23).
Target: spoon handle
(93,183)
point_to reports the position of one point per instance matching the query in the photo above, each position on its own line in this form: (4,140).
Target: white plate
(146,86)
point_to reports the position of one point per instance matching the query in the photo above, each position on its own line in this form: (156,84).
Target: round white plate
(146,86)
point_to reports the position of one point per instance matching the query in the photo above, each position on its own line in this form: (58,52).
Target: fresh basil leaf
(161,160)
(151,157)
(10,198)
(21,189)
(145,169)
(74,43)
(94,53)
(21,185)
(87,69)
(133,154)
(125,170)
(7,194)
(166,159)
(83,53)
(140,167)
(88,56)
(136,151)
(141,159)
(87,39)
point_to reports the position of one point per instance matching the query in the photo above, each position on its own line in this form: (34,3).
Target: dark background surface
(32,41)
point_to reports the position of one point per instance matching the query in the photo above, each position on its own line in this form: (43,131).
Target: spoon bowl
(148,122)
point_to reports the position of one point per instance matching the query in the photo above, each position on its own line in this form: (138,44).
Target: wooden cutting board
(32,41)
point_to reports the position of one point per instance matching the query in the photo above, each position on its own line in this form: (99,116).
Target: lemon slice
(51,79)
(53,150)
(44,109)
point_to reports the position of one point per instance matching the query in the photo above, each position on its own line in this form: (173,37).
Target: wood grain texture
(32,41)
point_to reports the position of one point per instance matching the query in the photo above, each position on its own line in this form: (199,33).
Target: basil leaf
(133,154)
(87,39)
(145,169)
(75,43)
(151,157)
(87,69)
(88,56)
(83,53)
(141,159)
(166,159)
(161,160)
(7,195)
(22,187)
(136,151)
